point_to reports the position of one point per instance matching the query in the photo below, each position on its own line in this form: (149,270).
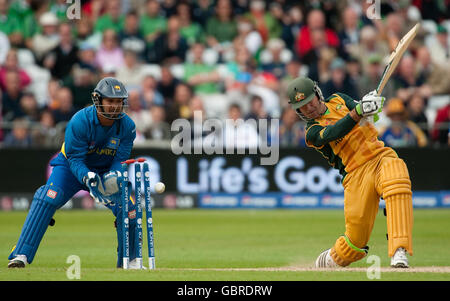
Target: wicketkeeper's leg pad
(396,191)
(344,252)
(45,202)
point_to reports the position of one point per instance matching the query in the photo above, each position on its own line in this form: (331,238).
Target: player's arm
(76,146)
(319,135)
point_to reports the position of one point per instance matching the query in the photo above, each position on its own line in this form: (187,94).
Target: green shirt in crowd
(149,25)
(222,31)
(191,69)
(107,22)
(192,33)
(9,25)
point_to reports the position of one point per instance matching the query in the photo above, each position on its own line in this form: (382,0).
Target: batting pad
(344,252)
(396,188)
(41,212)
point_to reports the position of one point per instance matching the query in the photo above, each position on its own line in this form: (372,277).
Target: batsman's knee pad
(344,252)
(396,190)
(45,202)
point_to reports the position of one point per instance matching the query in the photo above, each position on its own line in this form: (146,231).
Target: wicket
(126,193)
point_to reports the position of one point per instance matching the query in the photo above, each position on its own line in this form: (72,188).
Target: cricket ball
(160,187)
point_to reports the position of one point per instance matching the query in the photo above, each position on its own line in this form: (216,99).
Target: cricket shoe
(134,265)
(18,262)
(325,261)
(399,260)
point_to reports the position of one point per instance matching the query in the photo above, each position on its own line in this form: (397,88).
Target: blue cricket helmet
(109,87)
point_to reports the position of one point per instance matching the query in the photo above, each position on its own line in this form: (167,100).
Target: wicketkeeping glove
(93,182)
(371,104)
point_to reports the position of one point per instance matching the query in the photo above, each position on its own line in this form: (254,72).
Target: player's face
(112,107)
(313,109)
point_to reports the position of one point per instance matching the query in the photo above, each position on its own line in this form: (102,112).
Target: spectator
(81,84)
(180,107)
(370,79)
(402,132)
(46,135)
(131,37)
(394,29)
(203,10)
(315,21)
(202,77)
(167,83)
(110,55)
(339,81)
(159,129)
(10,24)
(257,110)
(439,46)
(20,136)
(5,47)
(59,9)
(152,23)
(149,94)
(441,125)
(416,112)
(247,34)
(168,8)
(112,19)
(319,58)
(53,87)
(291,129)
(87,57)
(349,35)
(170,46)
(437,76)
(189,30)
(29,107)
(85,34)
(12,64)
(275,57)
(292,22)
(137,112)
(408,81)
(132,72)
(48,39)
(11,97)
(222,27)
(61,58)
(239,134)
(267,26)
(65,110)
(369,45)
(266,85)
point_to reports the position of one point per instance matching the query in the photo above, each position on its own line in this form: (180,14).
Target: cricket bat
(394,59)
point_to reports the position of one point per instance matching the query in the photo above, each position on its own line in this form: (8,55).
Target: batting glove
(93,182)
(371,104)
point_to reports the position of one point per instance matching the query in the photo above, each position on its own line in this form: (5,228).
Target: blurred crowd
(225,58)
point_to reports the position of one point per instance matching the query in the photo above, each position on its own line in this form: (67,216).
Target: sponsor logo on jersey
(51,194)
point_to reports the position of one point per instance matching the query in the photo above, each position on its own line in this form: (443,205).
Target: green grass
(222,239)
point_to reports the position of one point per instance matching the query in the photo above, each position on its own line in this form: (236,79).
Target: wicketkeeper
(97,139)
(370,170)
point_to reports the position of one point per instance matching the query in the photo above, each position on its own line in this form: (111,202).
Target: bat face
(395,57)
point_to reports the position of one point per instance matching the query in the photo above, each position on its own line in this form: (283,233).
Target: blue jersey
(89,146)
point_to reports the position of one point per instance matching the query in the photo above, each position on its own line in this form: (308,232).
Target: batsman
(370,170)
(97,139)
